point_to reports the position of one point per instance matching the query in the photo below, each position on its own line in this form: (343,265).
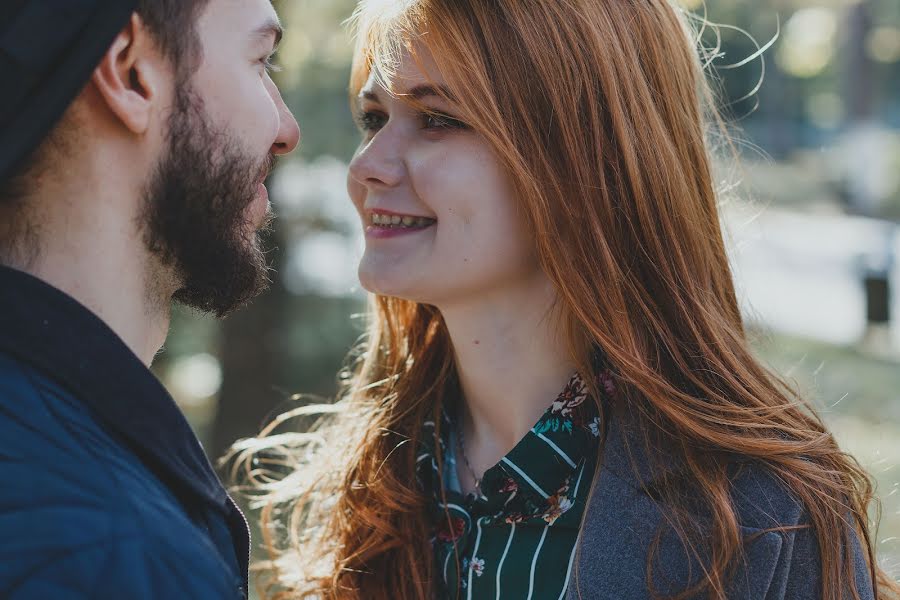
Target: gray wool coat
(622,520)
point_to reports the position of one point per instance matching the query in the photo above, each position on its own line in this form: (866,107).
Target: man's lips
(259,206)
(258,210)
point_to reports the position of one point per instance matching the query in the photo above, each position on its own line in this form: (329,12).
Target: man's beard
(196,218)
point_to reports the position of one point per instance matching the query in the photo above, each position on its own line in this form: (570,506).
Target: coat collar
(634,451)
(50,331)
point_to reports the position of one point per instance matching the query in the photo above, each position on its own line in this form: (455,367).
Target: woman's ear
(132,76)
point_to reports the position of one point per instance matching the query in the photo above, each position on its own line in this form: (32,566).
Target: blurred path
(802,274)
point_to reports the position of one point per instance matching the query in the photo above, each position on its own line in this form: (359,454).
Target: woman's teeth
(407,221)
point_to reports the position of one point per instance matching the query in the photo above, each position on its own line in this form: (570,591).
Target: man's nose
(288,130)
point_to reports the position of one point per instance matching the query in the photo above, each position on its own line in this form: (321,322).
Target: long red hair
(602,116)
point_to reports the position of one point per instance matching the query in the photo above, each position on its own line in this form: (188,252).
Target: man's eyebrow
(270,27)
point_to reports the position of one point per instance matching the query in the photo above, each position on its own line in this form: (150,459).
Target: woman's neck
(512,362)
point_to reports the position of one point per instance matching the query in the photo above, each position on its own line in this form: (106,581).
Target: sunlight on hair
(610,149)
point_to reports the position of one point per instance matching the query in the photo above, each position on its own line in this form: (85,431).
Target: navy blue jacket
(622,520)
(106,492)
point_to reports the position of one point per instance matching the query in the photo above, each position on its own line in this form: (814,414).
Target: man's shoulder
(80,514)
(71,551)
(32,401)
(59,462)
(44,423)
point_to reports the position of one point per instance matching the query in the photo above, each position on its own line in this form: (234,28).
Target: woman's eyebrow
(426,90)
(369,95)
(417,93)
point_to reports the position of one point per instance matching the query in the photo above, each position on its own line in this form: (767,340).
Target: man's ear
(132,76)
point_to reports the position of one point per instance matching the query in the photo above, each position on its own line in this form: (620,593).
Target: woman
(556,398)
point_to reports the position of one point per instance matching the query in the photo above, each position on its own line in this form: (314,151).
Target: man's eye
(371,121)
(269,64)
(441,121)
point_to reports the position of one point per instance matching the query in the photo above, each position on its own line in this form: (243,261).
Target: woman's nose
(379,161)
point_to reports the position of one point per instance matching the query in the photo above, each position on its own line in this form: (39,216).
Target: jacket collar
(47,329)
(635,451)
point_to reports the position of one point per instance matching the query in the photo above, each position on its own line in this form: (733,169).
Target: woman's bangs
(384,31)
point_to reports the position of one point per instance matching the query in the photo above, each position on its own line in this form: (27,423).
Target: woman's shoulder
(765,502)
(761,499)
(625,519)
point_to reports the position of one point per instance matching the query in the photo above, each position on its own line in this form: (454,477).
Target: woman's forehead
(409,71)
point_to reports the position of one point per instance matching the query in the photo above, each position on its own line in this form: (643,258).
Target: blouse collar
(533,478)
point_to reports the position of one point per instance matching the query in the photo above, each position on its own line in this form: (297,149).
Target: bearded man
(135,137)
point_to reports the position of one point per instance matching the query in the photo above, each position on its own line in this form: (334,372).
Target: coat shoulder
(80,515)
(765,502)
(55,443)
(762,500)
(77,553)
(624,521)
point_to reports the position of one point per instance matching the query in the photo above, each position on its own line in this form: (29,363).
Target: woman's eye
(371,121)
(441,121)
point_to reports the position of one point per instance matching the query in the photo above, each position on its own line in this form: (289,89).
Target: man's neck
(91,250)
(115,294)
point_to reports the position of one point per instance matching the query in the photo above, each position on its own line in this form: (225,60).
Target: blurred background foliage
(813,227)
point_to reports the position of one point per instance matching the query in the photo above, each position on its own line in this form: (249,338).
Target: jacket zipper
(246,573)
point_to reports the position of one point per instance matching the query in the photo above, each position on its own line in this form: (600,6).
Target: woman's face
(441,220)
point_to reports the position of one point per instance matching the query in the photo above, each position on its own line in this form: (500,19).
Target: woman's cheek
(447,183)
(356,191)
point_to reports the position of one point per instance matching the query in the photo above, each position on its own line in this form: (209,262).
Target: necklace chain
(462,448)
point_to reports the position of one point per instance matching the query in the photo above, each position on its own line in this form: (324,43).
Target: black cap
(48,51)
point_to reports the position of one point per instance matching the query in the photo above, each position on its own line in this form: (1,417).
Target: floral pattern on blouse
(518,537)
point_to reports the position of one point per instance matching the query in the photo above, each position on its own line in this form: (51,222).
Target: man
(135,136)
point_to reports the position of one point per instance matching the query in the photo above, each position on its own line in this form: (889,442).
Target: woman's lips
(383,224)
(380,232)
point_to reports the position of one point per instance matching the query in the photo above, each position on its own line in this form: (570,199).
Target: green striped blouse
(517,540)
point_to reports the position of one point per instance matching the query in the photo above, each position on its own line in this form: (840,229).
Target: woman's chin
(390,282)
(376,281)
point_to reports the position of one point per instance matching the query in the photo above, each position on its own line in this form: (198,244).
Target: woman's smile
(382,224)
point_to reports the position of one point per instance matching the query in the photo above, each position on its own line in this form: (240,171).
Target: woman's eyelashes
(435,120)
(370,122)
